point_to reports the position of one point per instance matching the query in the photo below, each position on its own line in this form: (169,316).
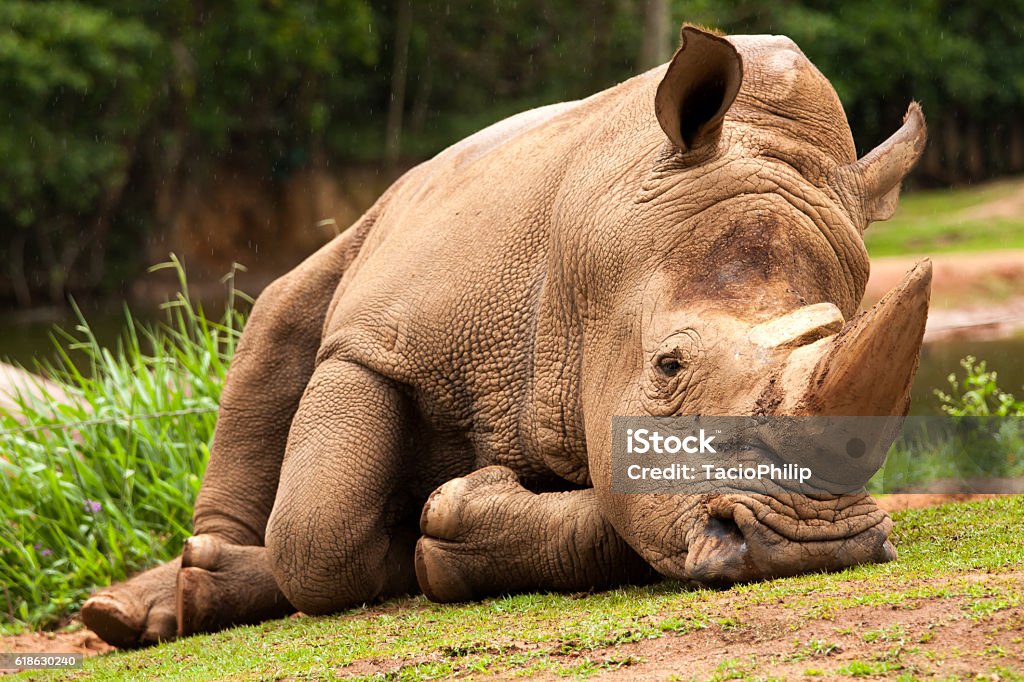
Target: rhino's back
(444,294)
(493,136)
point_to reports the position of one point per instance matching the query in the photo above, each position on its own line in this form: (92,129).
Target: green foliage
(260,75)
(98,487)
(77,82)
(117,108)
(109,103)
(981,438)
(977,394)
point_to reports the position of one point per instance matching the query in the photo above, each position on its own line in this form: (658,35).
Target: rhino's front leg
(485,534)
(342,531)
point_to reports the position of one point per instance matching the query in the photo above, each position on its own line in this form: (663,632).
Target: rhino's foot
(486,534)
(220,585)
(466,525)
(135,613)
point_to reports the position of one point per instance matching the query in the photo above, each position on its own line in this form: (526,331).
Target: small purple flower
(43,551)
(92,506)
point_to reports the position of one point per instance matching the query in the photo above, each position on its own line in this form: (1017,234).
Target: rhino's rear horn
(879,173)
(700,85)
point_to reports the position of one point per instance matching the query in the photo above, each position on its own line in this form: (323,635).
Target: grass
(977,453)
(95,489)
(580,635)
(939,221)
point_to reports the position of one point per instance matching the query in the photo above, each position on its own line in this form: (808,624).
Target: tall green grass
(101,486)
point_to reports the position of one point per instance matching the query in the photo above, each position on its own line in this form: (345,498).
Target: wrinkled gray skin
(688,242)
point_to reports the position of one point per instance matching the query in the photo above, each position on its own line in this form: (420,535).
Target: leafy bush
(97,488)
(980,438)
(978,394)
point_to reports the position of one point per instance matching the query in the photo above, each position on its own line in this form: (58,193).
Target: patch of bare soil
(925,637)
(973,294)
(1010,205)
(82,641)
(900,501)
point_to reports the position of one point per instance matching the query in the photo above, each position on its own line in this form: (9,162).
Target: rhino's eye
(673,359)
(669,365)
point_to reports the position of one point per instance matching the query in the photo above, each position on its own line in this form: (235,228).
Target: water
(942,358)
(23,338)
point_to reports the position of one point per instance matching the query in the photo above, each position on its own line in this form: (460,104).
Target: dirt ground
(980,295)
(901,501)
(81,641)
(924,637)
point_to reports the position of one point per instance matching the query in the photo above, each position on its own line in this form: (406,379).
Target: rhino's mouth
(749,537)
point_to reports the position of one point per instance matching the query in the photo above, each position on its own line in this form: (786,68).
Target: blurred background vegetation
(117,111)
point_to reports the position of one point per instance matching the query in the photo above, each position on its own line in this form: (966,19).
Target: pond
(941,358)
(23,338)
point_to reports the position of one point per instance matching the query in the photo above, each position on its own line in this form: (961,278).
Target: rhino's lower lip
(744,538)
(803,519)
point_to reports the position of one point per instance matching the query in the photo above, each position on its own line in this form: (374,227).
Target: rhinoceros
(425,403)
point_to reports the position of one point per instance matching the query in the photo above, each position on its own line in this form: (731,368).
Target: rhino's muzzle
(747,538)
(866,369)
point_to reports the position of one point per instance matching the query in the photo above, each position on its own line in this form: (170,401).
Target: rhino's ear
(700,85)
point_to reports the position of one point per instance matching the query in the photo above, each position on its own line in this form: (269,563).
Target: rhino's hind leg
(272,364)
(211,586)
(220,585)
(485,534)
(137,612)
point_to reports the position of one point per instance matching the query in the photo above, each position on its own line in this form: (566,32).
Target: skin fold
(426,402)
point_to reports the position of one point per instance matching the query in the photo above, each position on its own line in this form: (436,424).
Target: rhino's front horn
(867,368)
(875,179)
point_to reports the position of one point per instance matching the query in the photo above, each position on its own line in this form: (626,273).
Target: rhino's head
(723,266)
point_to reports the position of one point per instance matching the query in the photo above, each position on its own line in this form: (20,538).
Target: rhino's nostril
(721,555)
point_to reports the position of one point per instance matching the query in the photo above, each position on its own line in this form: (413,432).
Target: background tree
(114,108)
(78,84)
